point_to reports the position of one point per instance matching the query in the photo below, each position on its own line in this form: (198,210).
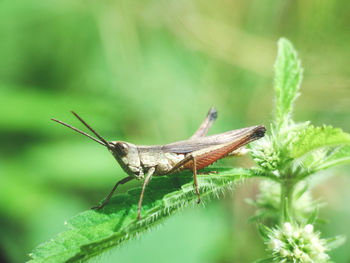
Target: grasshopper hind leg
(206,124)
(195,179)
(182,164)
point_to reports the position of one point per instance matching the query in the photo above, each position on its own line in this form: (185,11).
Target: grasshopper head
(125,153)
(127,156)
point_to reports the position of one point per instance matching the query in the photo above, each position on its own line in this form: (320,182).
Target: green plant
(289,156)
(286,158)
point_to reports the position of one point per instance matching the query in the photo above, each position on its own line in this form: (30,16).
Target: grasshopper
(195,153)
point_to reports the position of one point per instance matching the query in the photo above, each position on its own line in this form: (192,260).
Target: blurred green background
(147,72)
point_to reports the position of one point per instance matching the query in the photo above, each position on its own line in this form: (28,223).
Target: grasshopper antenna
(77,130)
(101,141)
(91,129)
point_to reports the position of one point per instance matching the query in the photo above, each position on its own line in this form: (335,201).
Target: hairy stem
(286,208)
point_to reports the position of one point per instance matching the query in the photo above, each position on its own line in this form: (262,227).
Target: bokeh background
(147,72)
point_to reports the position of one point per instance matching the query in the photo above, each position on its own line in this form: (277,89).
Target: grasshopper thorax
(128,157)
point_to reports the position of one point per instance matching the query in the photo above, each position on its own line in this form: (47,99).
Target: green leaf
(264,231)
(335,242)
(323,158)
(312,219)
(316,137)
(92,232)
(288,75)
(340,155)
(300,192)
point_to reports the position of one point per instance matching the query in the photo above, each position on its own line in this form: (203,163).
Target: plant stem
(286,208)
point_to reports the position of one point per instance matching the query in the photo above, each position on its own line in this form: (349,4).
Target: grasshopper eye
(122,148)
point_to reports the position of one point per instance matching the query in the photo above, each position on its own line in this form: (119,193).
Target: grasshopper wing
(244,135)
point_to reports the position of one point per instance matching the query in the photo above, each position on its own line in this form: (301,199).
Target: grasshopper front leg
(145,183)
(123,181)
